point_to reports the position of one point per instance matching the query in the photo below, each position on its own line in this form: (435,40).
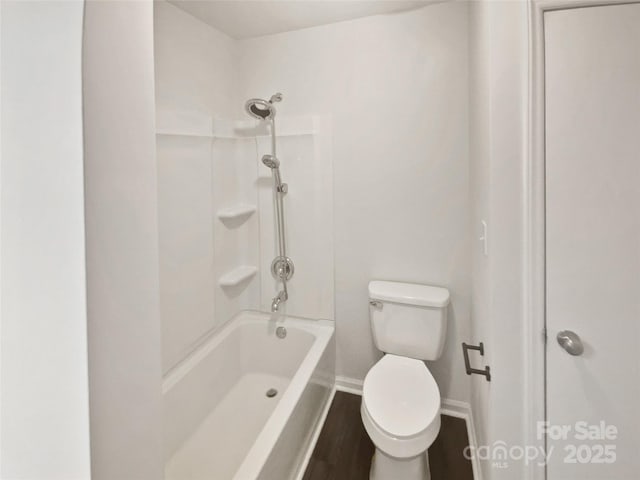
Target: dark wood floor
(344,450)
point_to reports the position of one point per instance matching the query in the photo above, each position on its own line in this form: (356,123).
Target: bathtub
(219,422)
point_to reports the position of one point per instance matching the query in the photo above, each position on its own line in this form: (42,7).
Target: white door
(592,64)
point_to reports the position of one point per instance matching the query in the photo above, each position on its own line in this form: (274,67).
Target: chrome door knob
(571,342)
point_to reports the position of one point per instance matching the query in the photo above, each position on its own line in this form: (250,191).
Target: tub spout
(278,299)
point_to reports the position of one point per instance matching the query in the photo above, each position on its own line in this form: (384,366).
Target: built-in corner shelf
(236,212)
(237,276)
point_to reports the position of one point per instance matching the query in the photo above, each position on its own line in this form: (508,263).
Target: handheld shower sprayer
(274,164)
(270,161)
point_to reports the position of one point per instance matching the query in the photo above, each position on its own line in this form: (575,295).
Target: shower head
(271,161)
(262,109)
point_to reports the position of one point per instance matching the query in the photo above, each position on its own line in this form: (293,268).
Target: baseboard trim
(453,408)
(349,385)
(314,438)
(458,409)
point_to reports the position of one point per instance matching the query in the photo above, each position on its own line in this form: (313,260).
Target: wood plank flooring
(344,450)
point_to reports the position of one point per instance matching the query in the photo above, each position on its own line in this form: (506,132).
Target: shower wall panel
(204,170)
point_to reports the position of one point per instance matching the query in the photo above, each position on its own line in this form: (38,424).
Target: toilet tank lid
(409,293)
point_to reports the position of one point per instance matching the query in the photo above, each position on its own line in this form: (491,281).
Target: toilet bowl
(401,414)
(400,399)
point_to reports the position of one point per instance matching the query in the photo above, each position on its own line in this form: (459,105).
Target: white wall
(194,64)
(44,403)
(395,89)
(122,241)
(498,158)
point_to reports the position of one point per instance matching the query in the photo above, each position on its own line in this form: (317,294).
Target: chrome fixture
(282,266)
(571,342)
(263,109)
(272,392)
(274,164)
(271,161)
(281,332)
(282,296)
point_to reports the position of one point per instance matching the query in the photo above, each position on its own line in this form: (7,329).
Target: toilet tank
(408,319)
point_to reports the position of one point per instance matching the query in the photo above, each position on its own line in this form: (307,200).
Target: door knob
(571,342)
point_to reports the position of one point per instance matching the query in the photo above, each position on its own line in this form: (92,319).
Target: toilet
(400,399)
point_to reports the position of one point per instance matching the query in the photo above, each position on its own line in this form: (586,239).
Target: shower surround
(216,212)
(218,238)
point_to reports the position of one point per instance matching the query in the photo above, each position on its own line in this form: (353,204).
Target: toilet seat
(401,406)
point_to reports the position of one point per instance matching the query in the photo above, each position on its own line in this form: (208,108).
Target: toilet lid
(401,396)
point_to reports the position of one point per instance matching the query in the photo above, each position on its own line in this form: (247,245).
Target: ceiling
(253,18)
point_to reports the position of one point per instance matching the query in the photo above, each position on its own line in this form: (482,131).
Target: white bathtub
(218,422)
